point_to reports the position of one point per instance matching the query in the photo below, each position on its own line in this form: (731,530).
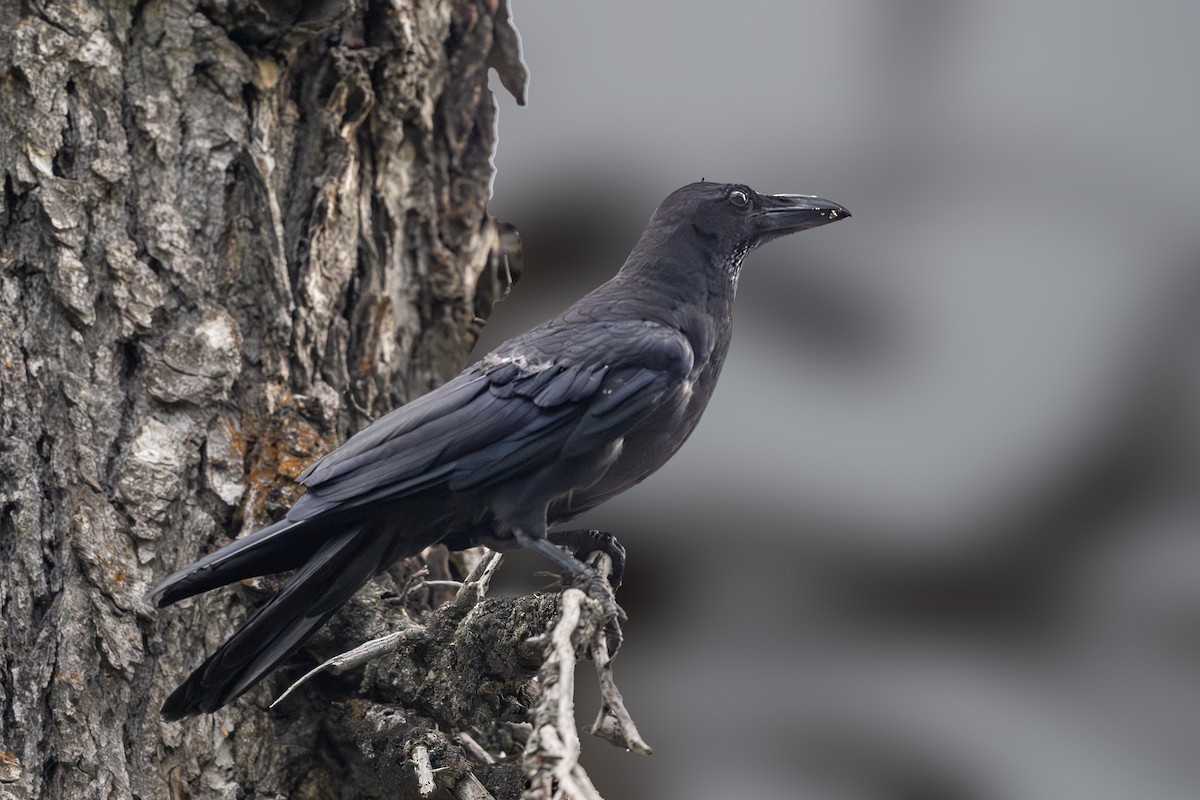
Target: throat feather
(732,266)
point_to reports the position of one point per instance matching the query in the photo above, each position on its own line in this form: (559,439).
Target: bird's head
(732,212)
(728,220)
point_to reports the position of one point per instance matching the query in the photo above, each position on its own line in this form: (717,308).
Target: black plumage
(550,424)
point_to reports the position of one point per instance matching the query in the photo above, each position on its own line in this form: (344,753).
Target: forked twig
(551,758)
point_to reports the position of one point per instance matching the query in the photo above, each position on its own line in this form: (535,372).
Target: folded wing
(511,412)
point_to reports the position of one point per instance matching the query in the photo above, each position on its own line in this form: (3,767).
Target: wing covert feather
(513,411)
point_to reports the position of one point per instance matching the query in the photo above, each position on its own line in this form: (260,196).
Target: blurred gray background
(938,535)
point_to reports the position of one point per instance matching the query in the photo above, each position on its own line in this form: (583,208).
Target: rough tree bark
(230,232)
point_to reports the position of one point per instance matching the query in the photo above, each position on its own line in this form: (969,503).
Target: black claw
(593,586)
(584,542)
(613,637)
(584,577)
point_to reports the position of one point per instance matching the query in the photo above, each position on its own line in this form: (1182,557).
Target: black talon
(581,576)
(593,586)
(584,542)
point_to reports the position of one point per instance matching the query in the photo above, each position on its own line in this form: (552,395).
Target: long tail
(276,548)
(326,579)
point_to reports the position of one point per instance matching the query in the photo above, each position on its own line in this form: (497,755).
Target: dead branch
(472,667)
(551,758)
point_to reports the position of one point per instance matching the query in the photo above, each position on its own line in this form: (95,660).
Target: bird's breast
(649,444)
(645,448)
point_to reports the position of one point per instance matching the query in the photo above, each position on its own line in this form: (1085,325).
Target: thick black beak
(782,214)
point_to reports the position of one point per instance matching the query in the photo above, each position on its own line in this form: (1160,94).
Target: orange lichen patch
(71,679)
(358,708)
(236,440)
(278,449)
(299,450)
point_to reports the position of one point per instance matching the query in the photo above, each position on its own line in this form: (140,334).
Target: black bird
(550,424)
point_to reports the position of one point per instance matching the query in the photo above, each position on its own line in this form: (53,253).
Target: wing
(561,390)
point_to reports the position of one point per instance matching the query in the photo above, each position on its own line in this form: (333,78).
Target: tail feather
(327,579)
(284,546)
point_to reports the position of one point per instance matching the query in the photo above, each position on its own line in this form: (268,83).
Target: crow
(548,425)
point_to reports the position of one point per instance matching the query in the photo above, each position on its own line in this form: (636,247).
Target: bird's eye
(738,198)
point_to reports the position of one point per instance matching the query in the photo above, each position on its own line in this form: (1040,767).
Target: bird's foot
(593,581)
(592,584)
(583,543)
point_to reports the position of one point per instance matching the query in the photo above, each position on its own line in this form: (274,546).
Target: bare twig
(449,584)
(414,581)
(420,757)
(426,584)
(613,722)
(358,656)
(481,576)
(474,749)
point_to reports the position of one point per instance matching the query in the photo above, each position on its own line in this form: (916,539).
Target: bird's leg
(584,542)
(581,576)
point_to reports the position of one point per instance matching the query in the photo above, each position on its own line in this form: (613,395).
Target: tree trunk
(231,232)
